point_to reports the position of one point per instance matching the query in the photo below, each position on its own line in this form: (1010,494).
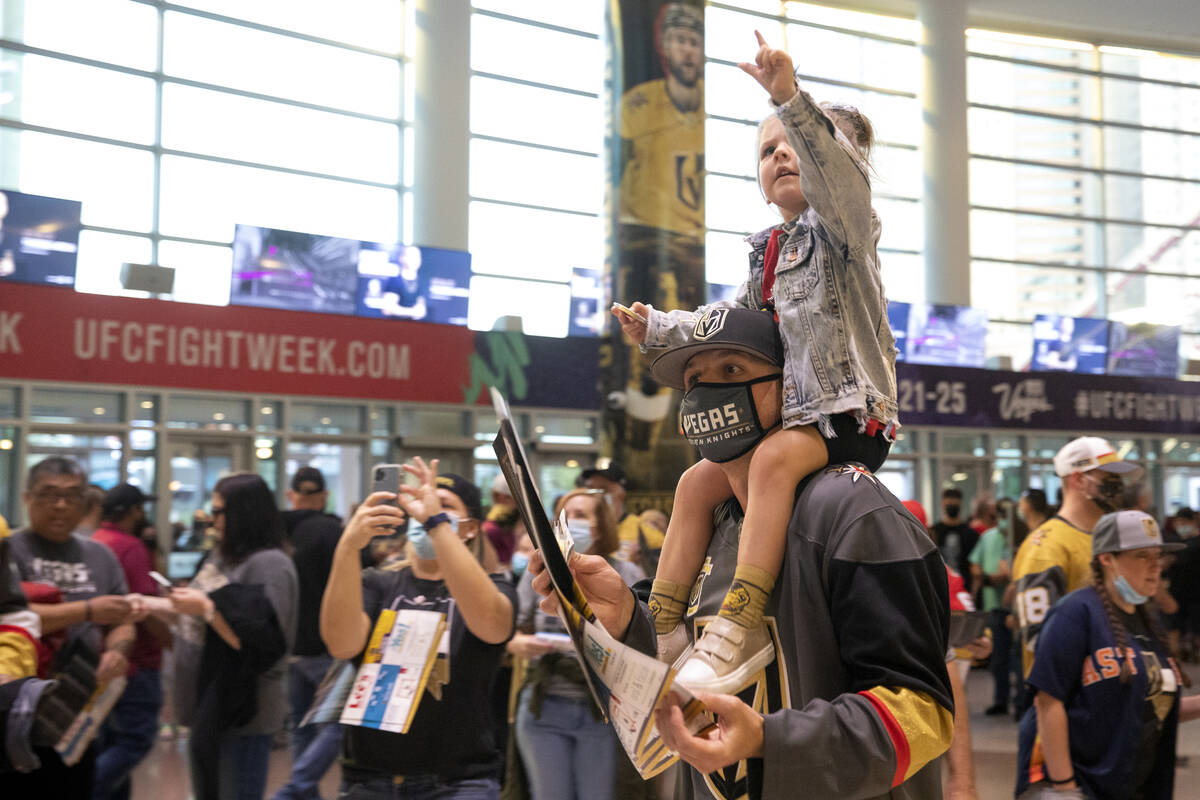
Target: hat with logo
(1091,452)
(310,475)
(123,497)
(1129,530)
(742,329)
(464,490)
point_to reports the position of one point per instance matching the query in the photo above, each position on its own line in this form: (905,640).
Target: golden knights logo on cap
(1151,528)
(710,324)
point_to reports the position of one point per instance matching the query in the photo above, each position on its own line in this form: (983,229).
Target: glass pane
(8,402)
(1032,48)
(204,200)
(1058,191)
(1000,83)
(272,64)
(731,147)
(1151,104)
(903,225)
(1154,298)
(1014,292)
(270,415)
(8,467)
(115,184)
(850,58)
(99,455)
(1158,201)
(1046,446)
(377,24)
(565,430)
(1149,64)
(341,464)
(541,116)
(903,276)
(1010,135)
(202,272)
(69,405)
(196,467)
(500,237)
(117,31)
(198,120)
(726,258)
(972,443)
(146,408)
(101,255)
(432,422)
(538,177)
(586,16)
(895,27)
(379,422)
(905,443)
(1169,250)
(544,308)
(1152,153)
(59,94)
(898,171)
(729,35)
(208,413)
(326,418)
(735,204)
(510,48)
(1030,237)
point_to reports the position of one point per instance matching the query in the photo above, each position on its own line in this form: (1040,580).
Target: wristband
(433,521)
(1053,782)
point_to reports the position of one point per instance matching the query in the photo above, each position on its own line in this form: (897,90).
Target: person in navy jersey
(1106,690)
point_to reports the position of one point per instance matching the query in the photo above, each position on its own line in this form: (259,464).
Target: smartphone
(386,478)
(160,580)
(629,312)
(967,626)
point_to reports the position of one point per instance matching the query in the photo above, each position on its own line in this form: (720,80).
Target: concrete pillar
(442,60)
(944,147)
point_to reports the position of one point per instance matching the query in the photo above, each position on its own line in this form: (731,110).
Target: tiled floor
(163,775)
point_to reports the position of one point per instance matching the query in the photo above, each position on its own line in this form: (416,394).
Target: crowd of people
(802,603)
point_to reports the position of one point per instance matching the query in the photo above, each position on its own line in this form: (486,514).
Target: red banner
(56,334)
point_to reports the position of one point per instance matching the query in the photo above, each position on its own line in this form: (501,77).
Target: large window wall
(173,121)
(1085,186)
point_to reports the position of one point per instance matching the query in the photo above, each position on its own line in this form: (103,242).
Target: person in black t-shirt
(449,750)
(953,536)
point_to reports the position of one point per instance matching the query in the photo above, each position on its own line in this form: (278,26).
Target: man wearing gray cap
(1106,689)
(1055,559)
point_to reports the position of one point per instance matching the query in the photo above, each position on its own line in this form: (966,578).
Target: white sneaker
(672,645)
(726,657)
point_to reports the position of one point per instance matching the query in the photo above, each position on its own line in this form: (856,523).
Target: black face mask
(952,511)
(1108,492)
(720,420)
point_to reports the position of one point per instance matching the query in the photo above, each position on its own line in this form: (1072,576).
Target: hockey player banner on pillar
(656,205)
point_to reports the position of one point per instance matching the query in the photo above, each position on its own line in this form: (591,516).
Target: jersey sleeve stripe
(920,728)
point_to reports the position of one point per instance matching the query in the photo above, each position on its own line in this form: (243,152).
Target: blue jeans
(567,752)
(128,734)
(312,764)
(421,787)
(244,761)
(304,676)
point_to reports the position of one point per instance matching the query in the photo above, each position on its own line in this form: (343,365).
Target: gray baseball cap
(1128,530)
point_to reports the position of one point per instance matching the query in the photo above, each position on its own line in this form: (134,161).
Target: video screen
(409,282)
(718,292)
(589,311)
(39,238)
(294,271)
(945,335)
(307,272)
(897,314)
(1143,349)
(1069,344)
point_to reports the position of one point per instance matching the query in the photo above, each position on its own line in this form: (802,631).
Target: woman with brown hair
(1107,697)
(568,751)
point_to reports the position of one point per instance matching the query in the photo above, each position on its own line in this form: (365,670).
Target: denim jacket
(839,354)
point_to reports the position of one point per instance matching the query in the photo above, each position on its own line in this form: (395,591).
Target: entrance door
(196,466)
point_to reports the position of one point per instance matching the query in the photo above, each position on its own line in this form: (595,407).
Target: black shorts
(850,445)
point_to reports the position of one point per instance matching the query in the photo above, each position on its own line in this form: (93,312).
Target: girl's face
(1142,568)
(779,171)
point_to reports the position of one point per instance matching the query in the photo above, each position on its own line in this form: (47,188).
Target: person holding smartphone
(449,750)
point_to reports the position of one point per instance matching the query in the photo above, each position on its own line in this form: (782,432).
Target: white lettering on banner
(948,397)
(1140,406)
(1023,399)
(9,341)
(154,343)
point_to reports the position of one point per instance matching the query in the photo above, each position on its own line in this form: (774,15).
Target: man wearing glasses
(87,577)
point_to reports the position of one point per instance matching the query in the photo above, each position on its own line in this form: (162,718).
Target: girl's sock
(668,601)
(747,596)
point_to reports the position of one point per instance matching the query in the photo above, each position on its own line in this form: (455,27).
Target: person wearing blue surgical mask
(568,751)
(1106,685)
